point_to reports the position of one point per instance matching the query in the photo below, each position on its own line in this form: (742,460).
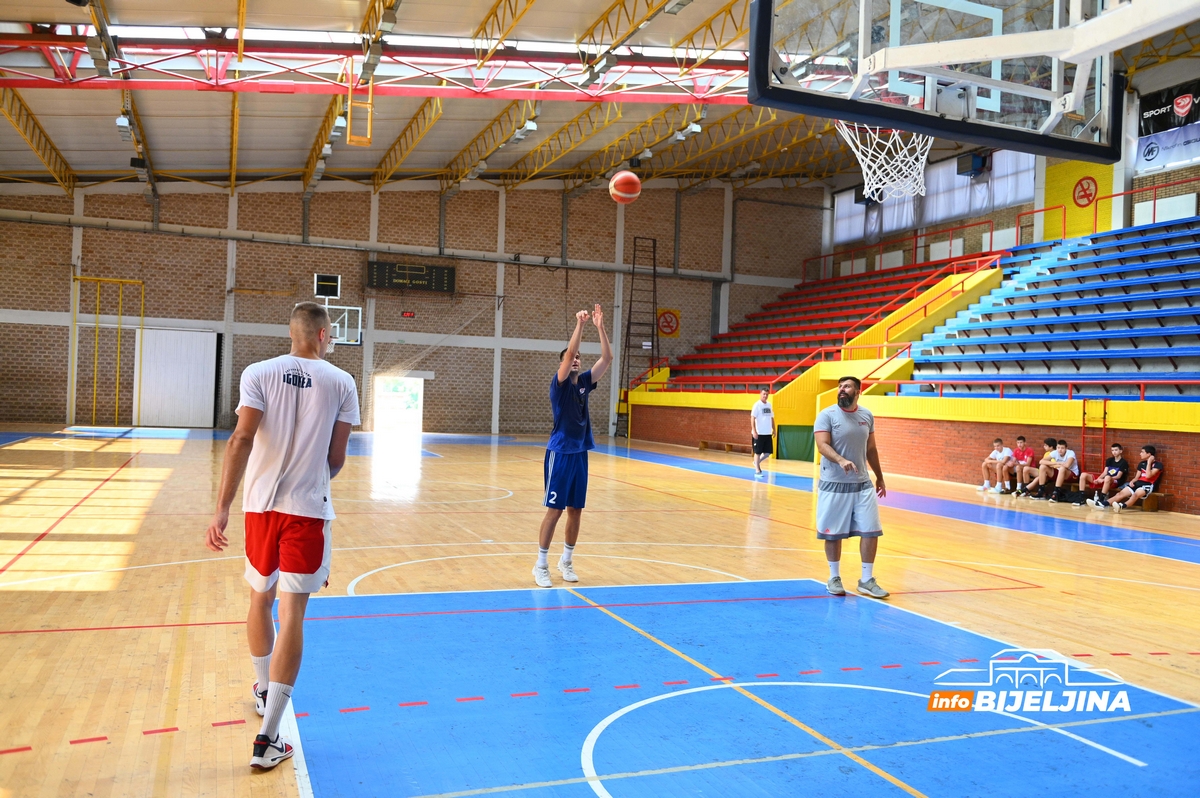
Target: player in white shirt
(762,430)
(294,421)
(997,465)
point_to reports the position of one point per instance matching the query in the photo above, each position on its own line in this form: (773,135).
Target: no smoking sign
(1085,191)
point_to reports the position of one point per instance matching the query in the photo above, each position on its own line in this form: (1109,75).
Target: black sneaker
(269,753)
(1021,493)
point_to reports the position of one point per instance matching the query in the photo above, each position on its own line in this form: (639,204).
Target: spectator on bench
(1060,464)
(1029,473)
(1023,455)
(997,465)
(1115,473)
(1149,473)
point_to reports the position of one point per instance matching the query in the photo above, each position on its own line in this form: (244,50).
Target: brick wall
(775,240)
(33,373)
(687,426)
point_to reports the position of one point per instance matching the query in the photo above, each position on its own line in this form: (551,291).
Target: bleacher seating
(798,324)
(1120,306)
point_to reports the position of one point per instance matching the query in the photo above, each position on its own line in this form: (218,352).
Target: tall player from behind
(566,466)
(294,421)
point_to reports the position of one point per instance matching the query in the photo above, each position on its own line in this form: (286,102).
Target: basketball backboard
(1027,75)
(347,324)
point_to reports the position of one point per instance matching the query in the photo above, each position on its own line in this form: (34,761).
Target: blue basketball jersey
(572,431)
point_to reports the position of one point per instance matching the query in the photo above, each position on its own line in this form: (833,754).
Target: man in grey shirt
(846,499)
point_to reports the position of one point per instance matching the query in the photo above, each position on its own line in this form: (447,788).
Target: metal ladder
(641,323)
(1093,436)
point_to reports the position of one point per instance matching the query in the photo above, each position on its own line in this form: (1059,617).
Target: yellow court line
(878,771)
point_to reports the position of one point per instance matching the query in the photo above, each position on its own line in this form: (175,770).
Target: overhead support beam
(728,25)
(811,137)
(234,120)
(652,133)
(333,126)
(514,123)
(143,164)
(713,137)
(241,40)
(379,21)
(22,118)
(1183,42)
(619,22)
(497,26)
(421,123)
(598,117)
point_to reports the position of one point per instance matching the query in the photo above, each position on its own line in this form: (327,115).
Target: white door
(175,378)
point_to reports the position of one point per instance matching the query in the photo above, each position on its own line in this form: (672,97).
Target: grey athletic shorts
(847,509)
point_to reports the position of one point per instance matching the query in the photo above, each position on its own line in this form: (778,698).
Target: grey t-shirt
(848,434)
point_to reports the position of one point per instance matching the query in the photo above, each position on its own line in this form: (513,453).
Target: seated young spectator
(1115,474)
(1031,472)
(1149,475)
(1023,456)
(1059,465)
(997,465)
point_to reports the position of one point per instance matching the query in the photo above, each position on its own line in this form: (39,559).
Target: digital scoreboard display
(410,276)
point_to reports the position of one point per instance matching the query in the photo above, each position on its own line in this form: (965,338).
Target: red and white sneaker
(260,700)
(269,753)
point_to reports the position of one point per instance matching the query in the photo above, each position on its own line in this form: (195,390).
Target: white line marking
(350,588)
(289,728)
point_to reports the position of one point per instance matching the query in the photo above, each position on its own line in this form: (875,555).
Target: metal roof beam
(322,147)
(713,137)
(421,123)
(726,26)
(651,133)
(497,26)
(26,123)
(619,22)
(574,133)
(499,132)
(234,121)
(804,140)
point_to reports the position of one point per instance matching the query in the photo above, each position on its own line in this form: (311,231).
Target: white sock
(568,551)
(277,702)
(542,563)
(262,671)
(987,483)
(835,569)
(868,571)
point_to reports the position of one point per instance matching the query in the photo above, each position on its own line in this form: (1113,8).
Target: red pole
(1001,390)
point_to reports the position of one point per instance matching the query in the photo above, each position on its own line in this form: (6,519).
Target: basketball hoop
(893,161)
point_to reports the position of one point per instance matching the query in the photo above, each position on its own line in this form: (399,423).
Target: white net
(893,161)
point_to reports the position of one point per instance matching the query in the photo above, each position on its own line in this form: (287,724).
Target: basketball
(625,187)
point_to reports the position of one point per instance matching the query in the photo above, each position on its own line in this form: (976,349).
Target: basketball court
(763,195)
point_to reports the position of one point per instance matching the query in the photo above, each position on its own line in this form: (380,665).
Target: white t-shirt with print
(764,418)
(1003,455)
(301,399)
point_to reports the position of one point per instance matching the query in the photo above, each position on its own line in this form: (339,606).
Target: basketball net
(893,161)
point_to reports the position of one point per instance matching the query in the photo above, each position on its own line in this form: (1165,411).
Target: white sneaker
(984,486)
(260,700)
(997,489)
(269,753)
(541,575)
(567,570)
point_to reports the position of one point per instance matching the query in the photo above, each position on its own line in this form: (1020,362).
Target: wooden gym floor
(121,636)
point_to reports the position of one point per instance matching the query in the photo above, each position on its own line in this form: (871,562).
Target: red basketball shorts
(291,549)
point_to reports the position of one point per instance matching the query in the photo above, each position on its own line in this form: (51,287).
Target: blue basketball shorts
(566,478)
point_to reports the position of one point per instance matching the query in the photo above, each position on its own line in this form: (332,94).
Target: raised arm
(237,452)
(564,368)
(606,356)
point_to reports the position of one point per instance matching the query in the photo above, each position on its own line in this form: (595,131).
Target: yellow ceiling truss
(724,28)
(497,26)
(314,167)
(234,122)
(26,123)
(714,137)
(649,134)
(598,117)
(498,133)
(1180,43)
(615,26)
(801,142)
(421,123)
(140,142)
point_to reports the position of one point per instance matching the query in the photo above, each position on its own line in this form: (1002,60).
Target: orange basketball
(624,187)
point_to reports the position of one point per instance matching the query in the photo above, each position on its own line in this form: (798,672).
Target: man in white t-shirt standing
(762,430)
(294,421)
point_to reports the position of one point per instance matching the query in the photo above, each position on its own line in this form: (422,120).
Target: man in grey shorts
(846,503)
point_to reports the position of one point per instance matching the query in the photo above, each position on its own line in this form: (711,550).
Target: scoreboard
(410,276)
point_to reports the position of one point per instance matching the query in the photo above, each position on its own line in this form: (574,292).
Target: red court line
(1081,655)
(63,517)
(229,723)
(15,750)
(767,676)
(161,731)
(1160,653)
(964,590)
(471,698)
(302,714)
(721,679)
(852,669)
(1120,654)
(354,709)
(517,695)
(118,628)
(578,690)
(681,682)
(968,660)
(935,662)
(415,704)
(891,666)
(806,673)
(626,686)
(82,740)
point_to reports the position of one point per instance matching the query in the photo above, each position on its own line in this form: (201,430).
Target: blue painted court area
(528,692)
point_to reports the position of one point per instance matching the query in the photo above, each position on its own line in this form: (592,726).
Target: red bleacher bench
(739,448)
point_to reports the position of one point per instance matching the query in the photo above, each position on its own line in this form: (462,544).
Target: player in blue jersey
(566,467)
